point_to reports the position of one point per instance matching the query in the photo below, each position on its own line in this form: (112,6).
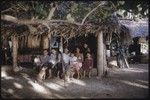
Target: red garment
(30,58)
(87,64)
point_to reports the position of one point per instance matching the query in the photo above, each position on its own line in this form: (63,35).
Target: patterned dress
(79,60)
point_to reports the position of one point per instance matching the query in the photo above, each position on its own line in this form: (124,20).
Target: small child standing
(73,59)
(88,65)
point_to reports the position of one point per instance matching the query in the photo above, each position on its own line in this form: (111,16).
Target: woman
(79,61)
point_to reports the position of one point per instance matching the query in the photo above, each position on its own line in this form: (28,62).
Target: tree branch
(92,11)
(34,21)
(51,13)
(6,10)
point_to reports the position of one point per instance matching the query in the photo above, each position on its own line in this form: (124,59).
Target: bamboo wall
(33,44)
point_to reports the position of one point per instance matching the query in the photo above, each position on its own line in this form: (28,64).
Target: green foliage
(77,9)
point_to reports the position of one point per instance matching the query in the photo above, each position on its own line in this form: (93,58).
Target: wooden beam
(35,21)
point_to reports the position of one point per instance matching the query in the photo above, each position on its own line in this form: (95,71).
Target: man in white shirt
(66,62)
(66,59)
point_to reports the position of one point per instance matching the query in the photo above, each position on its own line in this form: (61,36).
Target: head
(85,45)
(44,67)
(72,54)
(88,55)
(77,50)
(53,51)
(66,50)
(45,52)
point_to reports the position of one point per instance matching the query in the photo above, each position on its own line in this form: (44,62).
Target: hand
(90,67)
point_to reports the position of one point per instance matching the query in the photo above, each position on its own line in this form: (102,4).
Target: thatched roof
(68,30)
(137,29)
(125,35)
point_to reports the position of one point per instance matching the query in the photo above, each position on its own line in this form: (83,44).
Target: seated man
(44,59)
(52,61)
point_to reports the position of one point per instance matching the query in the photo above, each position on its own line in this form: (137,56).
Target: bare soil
(121,83)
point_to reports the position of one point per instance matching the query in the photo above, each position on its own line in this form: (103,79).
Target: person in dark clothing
(6,52)
(119,52)
(137,52)
(55,62)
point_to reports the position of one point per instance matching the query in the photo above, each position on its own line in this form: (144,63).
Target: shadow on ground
(122,83)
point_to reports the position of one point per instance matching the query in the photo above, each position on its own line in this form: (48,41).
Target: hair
(45,50)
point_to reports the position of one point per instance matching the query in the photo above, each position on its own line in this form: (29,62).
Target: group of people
(59,63)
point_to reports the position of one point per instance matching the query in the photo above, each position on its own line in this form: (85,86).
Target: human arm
(91,64)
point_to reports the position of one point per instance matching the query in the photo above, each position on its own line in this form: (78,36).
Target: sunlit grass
(17,85)
(135,70)
(38,88)
(53,86)
(79,82)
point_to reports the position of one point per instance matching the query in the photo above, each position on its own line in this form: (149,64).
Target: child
(37,63)
(88,65)
(73,63)
(73,59)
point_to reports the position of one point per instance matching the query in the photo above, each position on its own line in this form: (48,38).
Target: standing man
(66,62)
(66,59)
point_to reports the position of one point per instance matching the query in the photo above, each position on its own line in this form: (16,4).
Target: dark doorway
(90,40)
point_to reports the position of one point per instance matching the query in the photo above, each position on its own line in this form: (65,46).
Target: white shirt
(52,58)
(66,58)
(73,60)
(37,60)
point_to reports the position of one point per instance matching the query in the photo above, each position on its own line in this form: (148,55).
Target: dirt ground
(121,83)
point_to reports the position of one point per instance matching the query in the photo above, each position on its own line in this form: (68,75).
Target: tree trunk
(15,51)
(100,54)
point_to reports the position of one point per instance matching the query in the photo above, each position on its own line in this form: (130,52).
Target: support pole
(100,55)
(15,52)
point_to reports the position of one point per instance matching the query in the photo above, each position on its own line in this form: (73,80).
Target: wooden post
(61,45)
(49,38)
(45,42)
(100,53)
(104,60)
(15,51)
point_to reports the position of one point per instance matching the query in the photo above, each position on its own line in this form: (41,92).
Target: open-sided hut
(38,36)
